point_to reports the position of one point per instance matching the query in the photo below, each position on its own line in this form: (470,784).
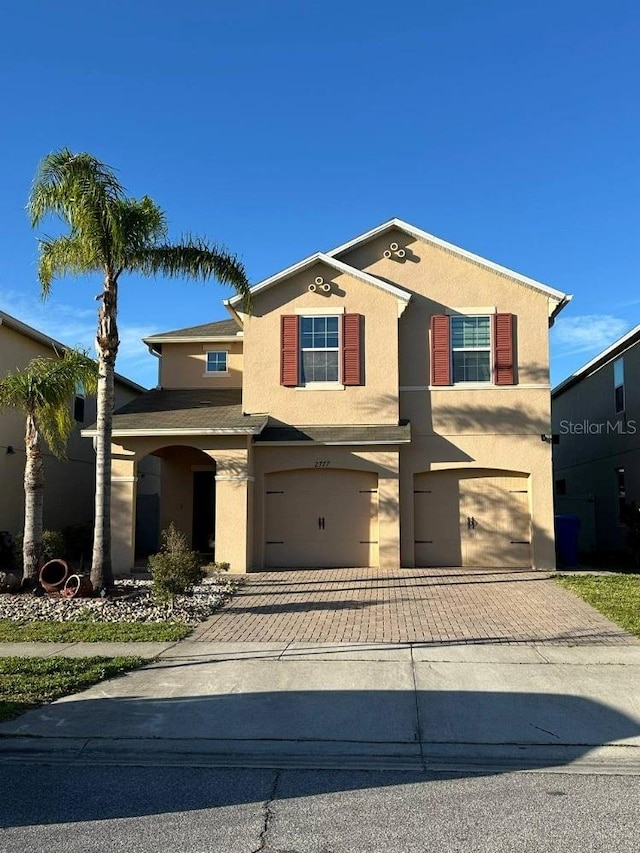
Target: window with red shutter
(440,350)
(321,350)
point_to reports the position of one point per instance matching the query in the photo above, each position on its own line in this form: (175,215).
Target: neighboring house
(69,484)
(384,404)
(597,460)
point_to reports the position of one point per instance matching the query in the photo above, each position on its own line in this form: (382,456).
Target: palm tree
(112,234)
(43,392)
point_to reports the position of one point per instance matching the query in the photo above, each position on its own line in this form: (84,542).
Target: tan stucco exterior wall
(382,461)
(184,365)
(491,429)
(69,484)
(466,427)
(375,402)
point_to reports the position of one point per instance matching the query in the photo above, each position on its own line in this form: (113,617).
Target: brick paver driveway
(408,606)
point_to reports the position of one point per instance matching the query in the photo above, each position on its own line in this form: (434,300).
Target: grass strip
(12,631)
(615,596)
(28,682)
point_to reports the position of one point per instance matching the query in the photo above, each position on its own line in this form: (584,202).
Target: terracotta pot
(77,586)
(53,575)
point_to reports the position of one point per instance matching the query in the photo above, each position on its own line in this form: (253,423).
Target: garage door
(463,520)
(321,518)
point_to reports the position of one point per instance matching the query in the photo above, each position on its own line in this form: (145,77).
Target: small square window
(217,361)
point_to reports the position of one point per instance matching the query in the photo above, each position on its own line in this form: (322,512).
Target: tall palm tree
(43,392)
(111,234)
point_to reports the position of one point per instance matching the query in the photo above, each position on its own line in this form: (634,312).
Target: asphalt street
(65,809)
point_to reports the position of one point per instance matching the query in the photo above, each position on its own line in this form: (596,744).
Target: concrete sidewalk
(84,650)
(576,709)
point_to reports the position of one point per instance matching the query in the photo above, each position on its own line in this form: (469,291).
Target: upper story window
(618,384)
(78,404)
(217,361)
(471,349)
(319,349)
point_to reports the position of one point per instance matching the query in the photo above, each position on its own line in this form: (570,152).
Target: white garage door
(463,520)
(321,518)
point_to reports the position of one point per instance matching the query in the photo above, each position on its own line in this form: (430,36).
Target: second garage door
(471,520)
(321,518)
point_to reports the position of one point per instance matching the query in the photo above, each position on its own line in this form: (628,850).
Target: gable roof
(334,263)
(419,234)
(616,349)
(41,338)
(225,330)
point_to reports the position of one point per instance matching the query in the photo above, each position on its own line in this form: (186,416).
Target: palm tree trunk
(33,503)
(107,346)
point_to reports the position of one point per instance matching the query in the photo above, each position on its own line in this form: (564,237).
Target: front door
(204,511)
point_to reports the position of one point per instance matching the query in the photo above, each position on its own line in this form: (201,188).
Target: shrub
(53,547)
(176,568)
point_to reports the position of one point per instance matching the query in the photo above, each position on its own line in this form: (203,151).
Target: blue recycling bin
(567,528)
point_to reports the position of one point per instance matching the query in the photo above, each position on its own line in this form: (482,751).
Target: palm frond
(62,255)
(61,173)
(44,389)
(84,193)
(192,258)
(141,224)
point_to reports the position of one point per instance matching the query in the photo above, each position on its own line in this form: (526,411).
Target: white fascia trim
(89,433)
(419,234)
(195,339)
(320,257)
(600,360)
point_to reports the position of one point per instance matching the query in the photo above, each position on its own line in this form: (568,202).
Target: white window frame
(480,383)
(617,385)
(329,385)
(224,372)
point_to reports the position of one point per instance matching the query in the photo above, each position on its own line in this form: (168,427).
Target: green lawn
(90,632)
(616,596)
(28,682)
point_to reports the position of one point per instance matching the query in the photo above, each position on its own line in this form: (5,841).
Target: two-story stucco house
(597,460)
(382,405)
(70,483)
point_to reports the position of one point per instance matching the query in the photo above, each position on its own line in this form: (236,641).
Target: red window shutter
(503,366)
(351,349)
(440,350)
(289,350)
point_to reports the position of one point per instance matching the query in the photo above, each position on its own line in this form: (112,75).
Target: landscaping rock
(131,602)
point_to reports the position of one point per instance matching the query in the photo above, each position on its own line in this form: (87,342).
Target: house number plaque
(322,463)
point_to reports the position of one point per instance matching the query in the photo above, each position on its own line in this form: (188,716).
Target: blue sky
(280,128)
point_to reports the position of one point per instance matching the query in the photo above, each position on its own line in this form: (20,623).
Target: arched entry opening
(187,497)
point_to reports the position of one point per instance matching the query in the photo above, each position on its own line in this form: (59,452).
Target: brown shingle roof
(206,330)
(190,410)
